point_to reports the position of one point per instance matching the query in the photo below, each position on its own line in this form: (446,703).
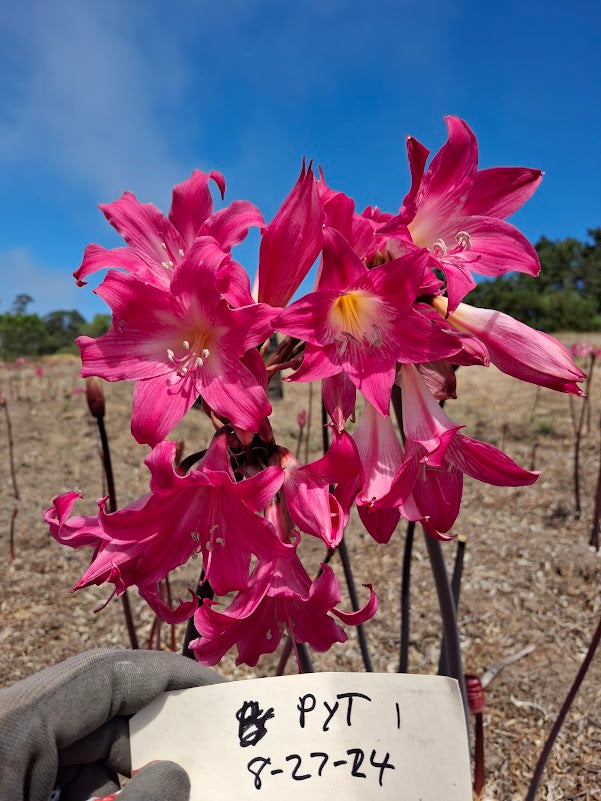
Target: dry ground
(530,576)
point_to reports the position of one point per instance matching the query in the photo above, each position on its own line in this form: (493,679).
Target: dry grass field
(530,577)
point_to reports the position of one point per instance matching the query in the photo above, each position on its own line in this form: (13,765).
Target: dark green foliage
(22,335)
(565,296)
(31,336)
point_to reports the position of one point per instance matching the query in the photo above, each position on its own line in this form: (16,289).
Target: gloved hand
(67,726)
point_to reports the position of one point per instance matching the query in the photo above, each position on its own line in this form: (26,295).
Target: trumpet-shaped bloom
(362,321)
(205,511)
(458,212)
(306,489)
(517,349)
(281,598)
(179,344)
(430,481)
(157,244)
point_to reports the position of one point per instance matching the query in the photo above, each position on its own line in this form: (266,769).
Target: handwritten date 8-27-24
(317,762)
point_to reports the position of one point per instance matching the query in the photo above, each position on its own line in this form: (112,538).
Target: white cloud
(88,99)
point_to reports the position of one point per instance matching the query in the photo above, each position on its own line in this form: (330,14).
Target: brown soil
(530,576)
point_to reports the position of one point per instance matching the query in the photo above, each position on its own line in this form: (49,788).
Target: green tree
(22,335)
(62,328)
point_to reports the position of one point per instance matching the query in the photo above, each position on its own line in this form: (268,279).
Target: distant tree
(20,304)
(565,296)
(62,328)
(98,326)
(22,335)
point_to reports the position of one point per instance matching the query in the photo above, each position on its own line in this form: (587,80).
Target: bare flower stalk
(542,760)
(13,473)
(578,436)
(594,540)
(95,399)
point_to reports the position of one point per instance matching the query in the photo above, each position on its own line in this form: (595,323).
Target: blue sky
(99,97)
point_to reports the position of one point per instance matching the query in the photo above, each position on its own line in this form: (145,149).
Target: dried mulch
(530,577)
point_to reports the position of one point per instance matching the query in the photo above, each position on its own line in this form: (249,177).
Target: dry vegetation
(530,576)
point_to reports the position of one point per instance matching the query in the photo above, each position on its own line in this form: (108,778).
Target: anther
(186,344)
(170,355)
(165,265)
(170,263)
(440,246)
(464,239)
(199,362)
(205,353)
(164,246)
(181,253)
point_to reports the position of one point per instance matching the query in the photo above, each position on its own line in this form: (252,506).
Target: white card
(384,736)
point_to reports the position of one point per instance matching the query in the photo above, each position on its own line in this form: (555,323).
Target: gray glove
(68,727)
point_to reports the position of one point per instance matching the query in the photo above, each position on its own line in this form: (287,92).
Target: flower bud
(95,396)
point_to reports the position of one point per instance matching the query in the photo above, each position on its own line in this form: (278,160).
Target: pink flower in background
(362,322)
(458,212)
(157,244)
(181,343)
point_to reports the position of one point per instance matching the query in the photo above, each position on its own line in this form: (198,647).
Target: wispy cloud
(87,98)
(50,287)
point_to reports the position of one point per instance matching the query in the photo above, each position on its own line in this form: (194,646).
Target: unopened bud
(302,418)
(95,397)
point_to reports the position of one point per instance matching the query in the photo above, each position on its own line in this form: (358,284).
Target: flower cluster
(385,318)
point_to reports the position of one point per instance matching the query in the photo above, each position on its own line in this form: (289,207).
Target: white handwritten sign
(390,737)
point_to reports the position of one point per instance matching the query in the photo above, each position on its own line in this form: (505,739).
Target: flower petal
(192,203)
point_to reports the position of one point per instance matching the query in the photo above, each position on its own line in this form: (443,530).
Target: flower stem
(449,620)
(110,482)
(203,590)
(542,760)
(455,589)
(405,602)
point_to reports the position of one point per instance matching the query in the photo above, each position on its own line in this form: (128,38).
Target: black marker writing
(252,723)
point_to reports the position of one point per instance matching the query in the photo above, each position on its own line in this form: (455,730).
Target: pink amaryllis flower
(180,343)
(205,511)
(306,488)
(281,598)
(429,484)
(517,349)
(157,244)
(362,322)
(458,212)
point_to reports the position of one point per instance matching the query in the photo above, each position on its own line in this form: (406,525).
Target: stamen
(170,355)
(199,362)
(181,253)
(219,541)
(214,528)
(440,247)
(165,265)
(464,240)
(164,246)
(377,338)
(206,353)
(186,344)
(170,263)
